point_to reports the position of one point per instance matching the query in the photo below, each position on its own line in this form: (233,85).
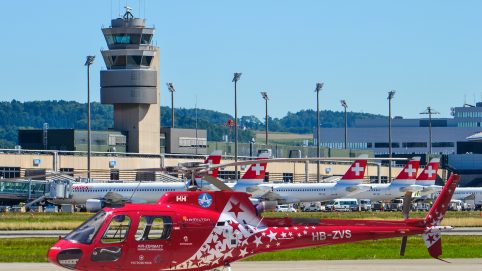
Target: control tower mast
(131,82)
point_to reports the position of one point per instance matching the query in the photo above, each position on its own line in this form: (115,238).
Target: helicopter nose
(64,256)
(52,254)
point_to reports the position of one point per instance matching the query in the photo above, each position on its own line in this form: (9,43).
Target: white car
(285,208)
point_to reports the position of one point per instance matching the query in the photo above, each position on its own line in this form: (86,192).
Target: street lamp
(89,61)
(429,112)
(345,105)
(264,94)
(391,94)
(318,88)
(170,87)
(236,77)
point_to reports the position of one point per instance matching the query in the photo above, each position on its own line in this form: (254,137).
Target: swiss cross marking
(258,168)
(410,170)
(429,171)
(357,169)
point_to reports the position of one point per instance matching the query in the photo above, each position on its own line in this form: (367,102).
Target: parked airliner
(403,183)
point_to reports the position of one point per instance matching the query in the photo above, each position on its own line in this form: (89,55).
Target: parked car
(365,205)
(343,205)
(395,205)
(285,208)
(312,207)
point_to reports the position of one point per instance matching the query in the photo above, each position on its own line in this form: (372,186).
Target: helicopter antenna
(135,190)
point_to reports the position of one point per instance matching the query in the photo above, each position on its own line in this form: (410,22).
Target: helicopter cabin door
(110,247)
(150,247)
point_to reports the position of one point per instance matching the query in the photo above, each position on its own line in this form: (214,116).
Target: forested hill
(69,114)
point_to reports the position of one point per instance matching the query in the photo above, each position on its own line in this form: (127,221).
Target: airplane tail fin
(214,159)
(356,171)
(432,236)
(429,173)
(256,172)
(408,175)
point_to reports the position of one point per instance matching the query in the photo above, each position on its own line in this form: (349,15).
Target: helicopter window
(86,232)
(220,223)
(117,230)
(153,228)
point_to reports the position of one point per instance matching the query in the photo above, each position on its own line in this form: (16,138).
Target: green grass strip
(35,250)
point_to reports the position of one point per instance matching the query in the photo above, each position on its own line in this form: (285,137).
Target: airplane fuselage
(308,192)
(382,192)
(137,192)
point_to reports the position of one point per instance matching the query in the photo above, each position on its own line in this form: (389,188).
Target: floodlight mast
(236,77)
(429,111)
(170,87)
(318,88)
(264,94)
(391,94)
(89,61)
(345,106)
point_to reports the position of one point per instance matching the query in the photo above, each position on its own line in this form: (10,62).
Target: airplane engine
(266,206)
(94,205)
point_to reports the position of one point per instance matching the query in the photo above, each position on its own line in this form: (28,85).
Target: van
(312,207)
(365,205)
(344,205)
(285,208)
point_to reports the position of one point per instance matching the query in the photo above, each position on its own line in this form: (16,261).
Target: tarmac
(349,265)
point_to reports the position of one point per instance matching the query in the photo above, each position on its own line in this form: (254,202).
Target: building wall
(128,165)
(183,141)
(367,138)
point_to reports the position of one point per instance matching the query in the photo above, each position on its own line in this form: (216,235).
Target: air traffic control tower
(131,82)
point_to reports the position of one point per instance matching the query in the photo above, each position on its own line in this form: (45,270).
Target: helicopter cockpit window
(153,228)
(86,232)
(117,230)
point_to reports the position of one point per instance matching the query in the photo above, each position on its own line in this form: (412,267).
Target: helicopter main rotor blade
(217,182)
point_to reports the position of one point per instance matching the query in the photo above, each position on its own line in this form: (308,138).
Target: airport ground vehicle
(342,205)
(312,207)
(198,230)
(285,208)
(365,205)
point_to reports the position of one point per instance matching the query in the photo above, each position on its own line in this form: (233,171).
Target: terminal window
(193,142)
(9,172)
(414,144)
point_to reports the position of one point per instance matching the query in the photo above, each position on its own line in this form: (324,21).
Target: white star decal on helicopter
(257,240)
(272,236)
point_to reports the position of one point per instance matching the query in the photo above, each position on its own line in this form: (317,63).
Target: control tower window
(133,60)
(146,39)
(119,61)
(146,60)
(123,39)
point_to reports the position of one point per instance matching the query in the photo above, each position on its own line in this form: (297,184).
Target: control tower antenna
(128,14)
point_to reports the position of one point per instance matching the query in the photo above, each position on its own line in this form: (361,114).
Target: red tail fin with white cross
(256,172)
(429,173)
(356,172)
(408,175)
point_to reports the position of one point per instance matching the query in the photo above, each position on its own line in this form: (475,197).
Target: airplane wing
(263,193)
(411,188)
(353,189)
(431,189)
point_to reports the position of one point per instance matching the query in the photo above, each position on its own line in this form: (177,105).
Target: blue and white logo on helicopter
(205,200)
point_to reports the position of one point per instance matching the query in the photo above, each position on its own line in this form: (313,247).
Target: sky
(429,52)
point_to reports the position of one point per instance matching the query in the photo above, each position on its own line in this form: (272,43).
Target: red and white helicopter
(202,230)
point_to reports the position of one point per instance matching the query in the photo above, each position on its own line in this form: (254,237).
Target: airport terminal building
(409,136)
